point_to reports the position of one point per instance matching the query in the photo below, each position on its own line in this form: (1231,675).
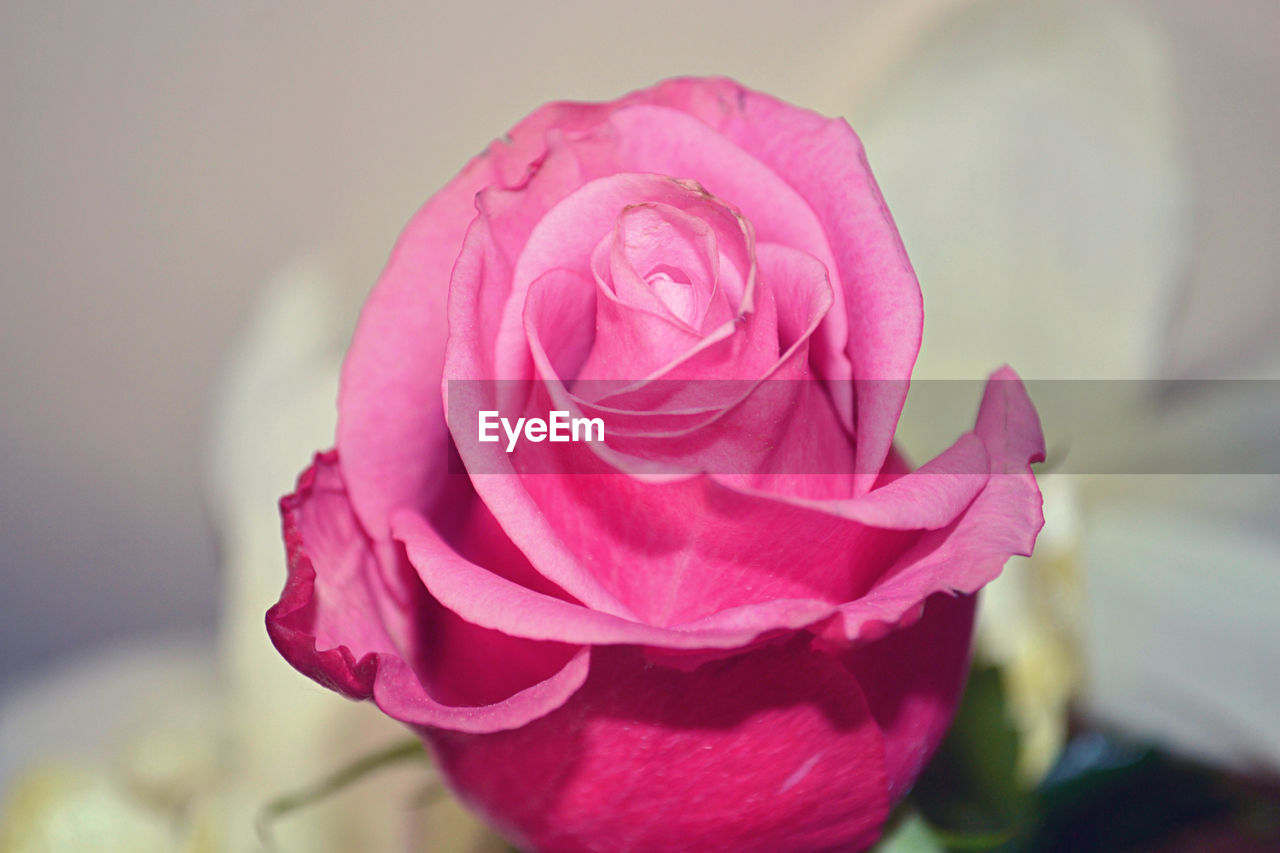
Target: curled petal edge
(1003,520)
(383,674)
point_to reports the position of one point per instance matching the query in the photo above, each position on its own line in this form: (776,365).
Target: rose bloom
(739,623)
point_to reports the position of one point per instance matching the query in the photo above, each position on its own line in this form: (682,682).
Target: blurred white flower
(195,756)
(277,406)
(1034,161)
(64,808)
(135,743)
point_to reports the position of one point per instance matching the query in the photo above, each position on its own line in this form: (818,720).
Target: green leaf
(1105,794)
(970,791)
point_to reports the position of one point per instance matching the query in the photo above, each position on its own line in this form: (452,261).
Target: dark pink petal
(668,142)
(767,751)
(303,623)
(391,428)
(629,342)
(514,210)
(702,584)
(563,321)
(332,623)
(824,160)
(671,573)
(928,498)
(801,289)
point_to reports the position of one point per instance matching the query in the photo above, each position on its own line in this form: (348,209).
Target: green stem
(332,784)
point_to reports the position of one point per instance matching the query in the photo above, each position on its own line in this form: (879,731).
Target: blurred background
(1106,167)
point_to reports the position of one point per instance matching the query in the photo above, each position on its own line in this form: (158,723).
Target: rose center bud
(664,285)
(676,294)
(673,253)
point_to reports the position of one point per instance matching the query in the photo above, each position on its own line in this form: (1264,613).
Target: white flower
(194,757)
(1034,159)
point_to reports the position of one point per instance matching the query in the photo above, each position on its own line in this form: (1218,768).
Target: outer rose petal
(767,751)
(391,430)
(328,621)
(327,626)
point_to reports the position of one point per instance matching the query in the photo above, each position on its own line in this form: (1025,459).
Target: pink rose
(738,623)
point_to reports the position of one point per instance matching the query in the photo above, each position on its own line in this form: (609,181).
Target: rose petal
(650,243)
(391,430)
(329,622)
(695,415)
(567,233)
(823,160)
(699,548)
(671,575)
(668,141)
(481,282)
(515,210)
(719,601)
(483,598)
(563,323)
(1002,521)
(772,750)
(925,499)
